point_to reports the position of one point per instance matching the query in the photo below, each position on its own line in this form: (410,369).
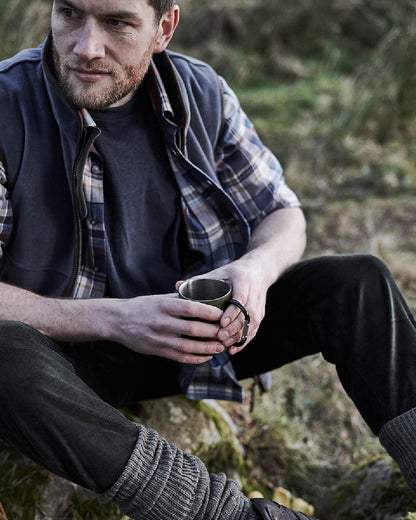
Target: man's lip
(89,75)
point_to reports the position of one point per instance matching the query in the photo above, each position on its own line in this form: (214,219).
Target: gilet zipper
(88,134)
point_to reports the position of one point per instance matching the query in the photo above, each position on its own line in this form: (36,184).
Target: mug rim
(195,280)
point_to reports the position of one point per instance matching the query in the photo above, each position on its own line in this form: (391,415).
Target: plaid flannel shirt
(249,174)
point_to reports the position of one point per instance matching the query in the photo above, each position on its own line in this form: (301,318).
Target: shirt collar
(158,92)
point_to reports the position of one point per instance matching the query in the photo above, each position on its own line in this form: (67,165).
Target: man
(125,169)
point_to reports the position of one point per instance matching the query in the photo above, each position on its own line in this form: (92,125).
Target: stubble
(123,80)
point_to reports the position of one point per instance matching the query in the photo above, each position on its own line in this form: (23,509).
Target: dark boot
(268,510)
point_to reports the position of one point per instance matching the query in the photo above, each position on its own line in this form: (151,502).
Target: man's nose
(90,43)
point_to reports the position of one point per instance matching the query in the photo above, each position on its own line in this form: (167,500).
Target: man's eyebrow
(68,4)
(119,15)
(124,15)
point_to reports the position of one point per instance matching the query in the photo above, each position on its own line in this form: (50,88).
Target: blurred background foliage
(329,83)
(335,78)
(330,86)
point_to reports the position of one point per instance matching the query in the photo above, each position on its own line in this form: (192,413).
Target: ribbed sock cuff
(398,437)
(161,482)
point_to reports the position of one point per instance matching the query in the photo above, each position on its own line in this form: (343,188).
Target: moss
(92,510)
(390,497)
(343,494)
(221,456)
(212,415)
(224,456)
(368,462)
(397,491)
(21,483)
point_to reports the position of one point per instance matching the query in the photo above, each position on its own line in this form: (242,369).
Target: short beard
(126,79)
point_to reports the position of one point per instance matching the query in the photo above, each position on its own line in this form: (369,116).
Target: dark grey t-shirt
(135,162)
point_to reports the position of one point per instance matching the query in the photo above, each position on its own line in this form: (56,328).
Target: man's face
(103,48)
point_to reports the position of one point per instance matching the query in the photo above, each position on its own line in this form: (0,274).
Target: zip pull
(90,133)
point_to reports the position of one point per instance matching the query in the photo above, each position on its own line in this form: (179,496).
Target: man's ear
(167,26)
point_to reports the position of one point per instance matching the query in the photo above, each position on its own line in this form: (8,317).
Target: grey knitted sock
(398,437)
(161,482)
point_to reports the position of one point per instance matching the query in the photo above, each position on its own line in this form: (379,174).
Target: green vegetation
(329,86)
(221,457)
(23,23)
(357,496)
(20,485)
(211,414)
(92,510)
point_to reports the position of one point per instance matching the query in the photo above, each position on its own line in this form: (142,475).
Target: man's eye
(118,24)
(67,12)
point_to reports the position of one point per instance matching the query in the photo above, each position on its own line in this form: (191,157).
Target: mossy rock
(185,423)
(375,490)
(203,428)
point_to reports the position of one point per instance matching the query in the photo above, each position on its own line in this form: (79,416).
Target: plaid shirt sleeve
(6,215)
(248,171)
(253,178)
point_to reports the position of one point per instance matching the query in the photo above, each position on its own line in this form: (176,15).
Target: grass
(309,127)
(81,509)
(23,23)
(20,485)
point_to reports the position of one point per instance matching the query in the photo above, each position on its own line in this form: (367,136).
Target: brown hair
(161,6)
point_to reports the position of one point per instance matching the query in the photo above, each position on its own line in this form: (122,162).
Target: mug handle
(246,323)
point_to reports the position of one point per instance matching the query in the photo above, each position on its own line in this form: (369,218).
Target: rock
(203,428)
(54,501)
(375,490)
(181,422)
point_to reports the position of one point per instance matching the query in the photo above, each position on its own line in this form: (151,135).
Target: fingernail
(219,348)
(223,335)
(226,322)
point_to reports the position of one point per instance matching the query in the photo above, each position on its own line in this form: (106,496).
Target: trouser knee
(25,360)
(352,270)
(18,335)
(369,269)
(374,290)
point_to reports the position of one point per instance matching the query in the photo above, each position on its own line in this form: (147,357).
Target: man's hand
(249,288)
(166,326)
